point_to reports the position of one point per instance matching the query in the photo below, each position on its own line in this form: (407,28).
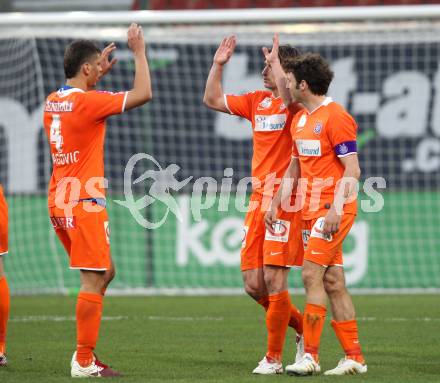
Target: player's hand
(332,222)
(270,218)
(106,63)
(225,50)
(135,38)
(272,56)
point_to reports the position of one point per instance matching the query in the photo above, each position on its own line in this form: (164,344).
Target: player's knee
(273,284)
(309,278)
(111,274)
(252,289)
(333,285)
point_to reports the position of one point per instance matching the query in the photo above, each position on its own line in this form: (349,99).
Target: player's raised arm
(141,92)
(273,60)
(214,97)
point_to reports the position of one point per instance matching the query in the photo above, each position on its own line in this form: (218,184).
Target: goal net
(387,75)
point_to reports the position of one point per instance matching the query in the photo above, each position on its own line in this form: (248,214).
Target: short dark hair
(314,70)
(286,53)
(76,54)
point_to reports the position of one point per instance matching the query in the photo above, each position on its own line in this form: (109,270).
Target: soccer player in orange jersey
(74,121)
(4,290)
(266,255)
(324,153)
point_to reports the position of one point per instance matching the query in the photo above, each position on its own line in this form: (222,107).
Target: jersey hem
(87,268)
(346,155)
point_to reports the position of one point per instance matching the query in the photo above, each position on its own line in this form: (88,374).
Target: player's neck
(77,83)
(275,93)
(313,102)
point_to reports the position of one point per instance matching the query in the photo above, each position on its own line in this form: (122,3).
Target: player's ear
(86,68)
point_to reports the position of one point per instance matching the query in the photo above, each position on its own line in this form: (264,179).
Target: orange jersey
(74,121)
(272,141)
(320,138)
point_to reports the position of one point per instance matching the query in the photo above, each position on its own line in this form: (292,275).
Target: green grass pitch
(215,339)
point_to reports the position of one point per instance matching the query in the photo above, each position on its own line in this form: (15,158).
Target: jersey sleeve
(102,104)
(342,133)
(240,105)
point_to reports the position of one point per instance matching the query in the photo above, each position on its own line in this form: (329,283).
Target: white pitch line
(56,318)
(209,319)
(398,319)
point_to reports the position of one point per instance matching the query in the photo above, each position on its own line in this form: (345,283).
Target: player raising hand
(325,154)
(266,255)
(74,121)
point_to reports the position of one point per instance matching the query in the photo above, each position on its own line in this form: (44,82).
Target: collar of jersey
(326,101)
(66,90)
(272,96)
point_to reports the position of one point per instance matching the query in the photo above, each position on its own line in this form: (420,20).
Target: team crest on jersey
(282,107)
(342,149)
(265,104)
(318,128)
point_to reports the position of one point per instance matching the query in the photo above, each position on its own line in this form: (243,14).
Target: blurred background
(385,56)
(103,5)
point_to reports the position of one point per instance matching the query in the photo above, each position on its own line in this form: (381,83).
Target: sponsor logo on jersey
(56,106)
(309,148)
(318,230)
(318,128)
(305,237)
(279,232)
(270,123)
(265,104)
